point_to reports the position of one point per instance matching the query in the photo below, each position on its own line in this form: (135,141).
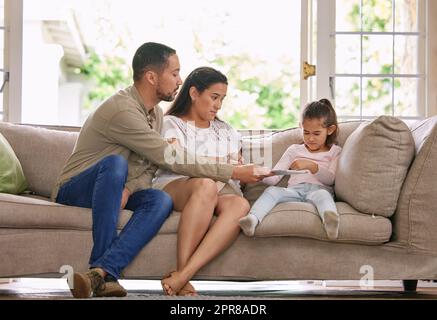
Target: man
(116,155)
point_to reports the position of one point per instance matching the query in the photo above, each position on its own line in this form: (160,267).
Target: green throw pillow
(12,178)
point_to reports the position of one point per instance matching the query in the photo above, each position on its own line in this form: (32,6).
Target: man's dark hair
(149,56)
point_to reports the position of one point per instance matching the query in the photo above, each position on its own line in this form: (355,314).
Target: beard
(165,96)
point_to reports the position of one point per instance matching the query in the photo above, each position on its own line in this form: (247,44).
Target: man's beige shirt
(120,127)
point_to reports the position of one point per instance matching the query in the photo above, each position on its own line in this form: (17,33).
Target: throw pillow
(373,165)
(12,178)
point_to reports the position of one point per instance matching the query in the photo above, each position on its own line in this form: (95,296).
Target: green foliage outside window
(108,74)
(377,17)
(278,106)
(269,104)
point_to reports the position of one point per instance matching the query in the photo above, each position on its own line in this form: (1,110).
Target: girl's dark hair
(201,78)
(323,109)
(150,55)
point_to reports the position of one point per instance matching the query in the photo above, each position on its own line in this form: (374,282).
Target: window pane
(406,54)
(406,19)
(347,54)
(347,96)
(377,96)
(377,15)
(406,96)
(378,54)
(348,15)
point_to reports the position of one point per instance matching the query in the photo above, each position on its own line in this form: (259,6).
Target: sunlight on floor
(34,285)
(56,289)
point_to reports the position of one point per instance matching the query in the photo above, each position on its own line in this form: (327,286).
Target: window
(371,55)
(375,62)
(84,51)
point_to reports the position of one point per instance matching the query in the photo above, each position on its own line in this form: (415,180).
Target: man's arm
(127,129)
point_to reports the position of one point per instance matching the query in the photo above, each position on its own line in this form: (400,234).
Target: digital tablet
(288,172)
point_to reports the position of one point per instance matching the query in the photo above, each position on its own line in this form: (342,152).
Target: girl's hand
(305,165)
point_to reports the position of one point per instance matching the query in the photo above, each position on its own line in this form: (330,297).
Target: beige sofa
(38,237)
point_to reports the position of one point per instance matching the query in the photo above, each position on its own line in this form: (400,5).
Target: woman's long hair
(201,79)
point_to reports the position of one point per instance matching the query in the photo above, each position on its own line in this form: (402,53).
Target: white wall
(41,70)
(70,99)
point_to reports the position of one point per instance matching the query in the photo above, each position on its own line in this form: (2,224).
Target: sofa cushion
(301,220)
(12,178)
(287,219)
(42,153)
(373,165)
(27,212)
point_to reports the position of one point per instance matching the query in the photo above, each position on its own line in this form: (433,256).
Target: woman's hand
(305,165)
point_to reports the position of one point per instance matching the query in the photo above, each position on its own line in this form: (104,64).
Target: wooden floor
(57,289)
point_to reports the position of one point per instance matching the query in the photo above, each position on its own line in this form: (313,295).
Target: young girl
(318,155)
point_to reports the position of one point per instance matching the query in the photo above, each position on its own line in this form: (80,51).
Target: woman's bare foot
(173,283)
(188,290)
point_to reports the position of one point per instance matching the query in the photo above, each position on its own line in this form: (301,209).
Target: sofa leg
(409,285)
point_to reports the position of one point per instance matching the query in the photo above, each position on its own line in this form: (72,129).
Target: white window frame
(309,54)
(13,64)
(326,34)
(305,48)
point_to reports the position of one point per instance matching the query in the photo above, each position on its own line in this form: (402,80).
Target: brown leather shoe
(111,288)
(87,282)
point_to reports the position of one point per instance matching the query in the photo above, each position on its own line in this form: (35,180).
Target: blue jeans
(319,196)
(100,188)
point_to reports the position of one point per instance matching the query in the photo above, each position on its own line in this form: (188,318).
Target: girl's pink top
(327,162)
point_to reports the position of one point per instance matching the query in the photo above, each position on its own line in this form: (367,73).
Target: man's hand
(124,198)
(305,165)
(250,173)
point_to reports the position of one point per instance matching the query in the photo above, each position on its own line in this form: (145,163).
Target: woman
(192,122)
